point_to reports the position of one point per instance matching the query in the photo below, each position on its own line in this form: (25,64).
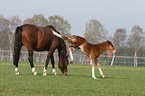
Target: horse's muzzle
(64,74)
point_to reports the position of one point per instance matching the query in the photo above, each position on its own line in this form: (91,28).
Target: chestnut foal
(91,50)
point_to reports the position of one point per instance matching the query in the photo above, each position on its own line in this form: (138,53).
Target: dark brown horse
(91,50)
(36,38)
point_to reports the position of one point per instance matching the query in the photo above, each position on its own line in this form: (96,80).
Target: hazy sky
(112,14)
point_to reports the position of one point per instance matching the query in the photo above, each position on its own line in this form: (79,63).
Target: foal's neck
(103,47)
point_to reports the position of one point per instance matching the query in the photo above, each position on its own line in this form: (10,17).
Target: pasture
(119,81)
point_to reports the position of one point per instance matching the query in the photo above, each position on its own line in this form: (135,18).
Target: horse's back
(37,38)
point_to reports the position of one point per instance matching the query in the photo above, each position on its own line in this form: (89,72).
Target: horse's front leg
(30,58)
(98,65)
(53,64)
(46,65)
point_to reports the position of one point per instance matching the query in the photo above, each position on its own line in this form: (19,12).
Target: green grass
(119,81)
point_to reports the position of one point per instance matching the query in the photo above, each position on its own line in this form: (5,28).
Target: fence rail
(79,58)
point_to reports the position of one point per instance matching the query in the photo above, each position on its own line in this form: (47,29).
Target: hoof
(35,73)
(17,73)
(55,73)
(71,62)
(44,74)
(103,76)
(94,77)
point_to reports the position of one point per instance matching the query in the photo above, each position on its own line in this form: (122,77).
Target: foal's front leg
(100,69)
(93,69)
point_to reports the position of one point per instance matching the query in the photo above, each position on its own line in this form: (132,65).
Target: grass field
(119,81)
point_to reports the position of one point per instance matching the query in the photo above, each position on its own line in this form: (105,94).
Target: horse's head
(63,57)
(63,62)
(111,47)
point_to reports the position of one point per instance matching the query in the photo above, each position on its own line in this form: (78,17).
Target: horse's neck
(102,47)
(61,48)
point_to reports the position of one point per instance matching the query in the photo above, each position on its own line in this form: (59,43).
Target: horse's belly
(42,46)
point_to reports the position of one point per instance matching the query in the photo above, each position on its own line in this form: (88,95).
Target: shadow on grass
(75,75)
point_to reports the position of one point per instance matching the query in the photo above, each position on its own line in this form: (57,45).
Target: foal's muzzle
(114,52)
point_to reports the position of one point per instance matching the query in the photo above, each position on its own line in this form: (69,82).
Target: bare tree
(119,39)
(4,31)
(95,31)
(38,20)
(60,24)
(136,40)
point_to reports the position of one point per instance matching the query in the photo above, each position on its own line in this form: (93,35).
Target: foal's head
(110,47)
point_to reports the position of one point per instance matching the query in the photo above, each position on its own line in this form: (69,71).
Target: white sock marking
(100,71)
(16,70)
(33,69)
(54,71)
(44,72)
(93,73)
(34,72)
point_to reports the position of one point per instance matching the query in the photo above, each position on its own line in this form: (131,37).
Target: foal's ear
(107,41)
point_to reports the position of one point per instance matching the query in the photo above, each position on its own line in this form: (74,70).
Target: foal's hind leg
(53,62)
(96,62)
(30,58)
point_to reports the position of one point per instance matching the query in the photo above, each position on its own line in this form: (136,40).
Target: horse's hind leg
(96,61)
(16,56)
(53,64)
(30,58)
(17,48)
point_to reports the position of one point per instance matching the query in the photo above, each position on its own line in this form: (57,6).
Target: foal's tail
(17,45)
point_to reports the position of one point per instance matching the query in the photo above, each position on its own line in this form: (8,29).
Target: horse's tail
(17,45)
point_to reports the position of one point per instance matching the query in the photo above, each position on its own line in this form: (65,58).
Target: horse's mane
(61,40)
(50,26)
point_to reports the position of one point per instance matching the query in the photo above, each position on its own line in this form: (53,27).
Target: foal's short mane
(105,42)
(50,26)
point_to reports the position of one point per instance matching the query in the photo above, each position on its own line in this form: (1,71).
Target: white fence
(79,58)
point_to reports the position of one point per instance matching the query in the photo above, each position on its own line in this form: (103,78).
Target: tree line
(128,45)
